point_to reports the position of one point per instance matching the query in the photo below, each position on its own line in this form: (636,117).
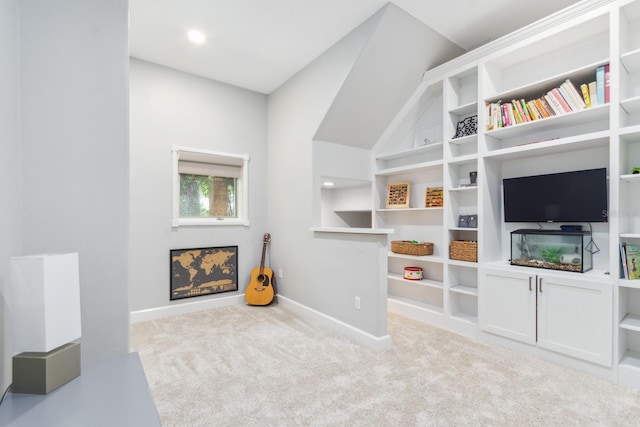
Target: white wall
(320,271)
(171,107)
(9,168)
(74,141)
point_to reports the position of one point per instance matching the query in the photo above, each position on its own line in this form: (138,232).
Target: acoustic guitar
(260,288)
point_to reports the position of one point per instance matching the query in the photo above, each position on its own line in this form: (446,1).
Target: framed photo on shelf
(434,197)
(398,194)
(203,271)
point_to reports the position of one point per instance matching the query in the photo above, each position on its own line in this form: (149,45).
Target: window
(209,188)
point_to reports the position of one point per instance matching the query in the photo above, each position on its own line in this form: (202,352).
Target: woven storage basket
(464,250)
(407,247)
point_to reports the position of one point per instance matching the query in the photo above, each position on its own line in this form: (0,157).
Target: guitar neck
(264,250)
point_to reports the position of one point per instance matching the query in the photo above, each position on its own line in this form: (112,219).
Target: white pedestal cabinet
(590,321)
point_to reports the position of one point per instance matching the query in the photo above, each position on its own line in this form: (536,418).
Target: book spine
(527,113)
(520,110)
(544,112)
(534,110)
(551,105)
(547,106)
(556,103)
(593,97)
(600,85)
(585,95)
(556,93)
(516,112)
(569,100)
(623,259)
(607,84)
(574,94)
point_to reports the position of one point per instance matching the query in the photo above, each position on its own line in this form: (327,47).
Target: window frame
(242,190)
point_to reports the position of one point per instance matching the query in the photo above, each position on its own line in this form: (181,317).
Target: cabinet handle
(540,284)
(530,283)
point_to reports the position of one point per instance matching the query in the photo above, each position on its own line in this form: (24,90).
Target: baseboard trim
(357,335)
(184,308)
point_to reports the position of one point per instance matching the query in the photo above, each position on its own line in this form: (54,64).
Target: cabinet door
(507,304)
(575,318)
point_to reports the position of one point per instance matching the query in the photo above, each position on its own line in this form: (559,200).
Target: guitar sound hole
(262,278)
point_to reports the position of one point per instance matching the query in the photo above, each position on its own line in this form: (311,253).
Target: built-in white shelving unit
(490,299)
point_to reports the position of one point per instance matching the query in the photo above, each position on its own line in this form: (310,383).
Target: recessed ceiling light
(329,184)
(196,36)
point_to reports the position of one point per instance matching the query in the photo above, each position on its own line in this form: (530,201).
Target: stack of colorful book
(558,101)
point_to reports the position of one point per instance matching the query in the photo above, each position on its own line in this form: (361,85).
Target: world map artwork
(203,271)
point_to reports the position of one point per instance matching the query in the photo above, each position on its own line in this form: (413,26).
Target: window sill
(189,222)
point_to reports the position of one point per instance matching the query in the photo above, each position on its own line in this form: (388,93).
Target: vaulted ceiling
(260,44)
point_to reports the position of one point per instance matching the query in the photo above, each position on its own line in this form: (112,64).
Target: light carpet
(264,366)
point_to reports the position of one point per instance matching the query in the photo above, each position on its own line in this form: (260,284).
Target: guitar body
(260,288)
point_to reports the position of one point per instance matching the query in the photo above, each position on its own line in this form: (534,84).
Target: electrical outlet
(279,273)
(357,303)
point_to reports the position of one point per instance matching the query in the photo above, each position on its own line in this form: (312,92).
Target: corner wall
(9,168)
(172,107)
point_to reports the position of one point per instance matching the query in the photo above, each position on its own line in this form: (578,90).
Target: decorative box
(407,247)
(464,250)
(552,249)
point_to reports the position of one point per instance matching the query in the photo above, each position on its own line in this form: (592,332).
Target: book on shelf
(600,85)
(563,99)
(555,93)
(623,260)
(633,261)
(584,89)
(593,97)
(607,84)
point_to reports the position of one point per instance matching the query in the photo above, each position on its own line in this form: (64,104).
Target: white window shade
(209,164)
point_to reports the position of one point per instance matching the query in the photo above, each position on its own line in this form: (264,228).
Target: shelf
(466,109)
(630,177)
(424,282)
(414,303)
(631,322)
(462,263)
(631,105)
(425,258)
(464,189)
(410,152)
(464,140)
(463,160)
(436,208)
(630,236)
(411,168)
(630,132)
(631,359)
(462,289)
(536,89)
(554,146)
(631,60)
(573,118)
(471,318)
(631,284)
(463,229)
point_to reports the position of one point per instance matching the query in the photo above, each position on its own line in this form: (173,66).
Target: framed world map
(203,271)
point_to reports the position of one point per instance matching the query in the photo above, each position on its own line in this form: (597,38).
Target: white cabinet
(507,304)
(562,314)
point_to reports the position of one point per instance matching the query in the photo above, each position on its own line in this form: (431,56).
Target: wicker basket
(407,247)
(464,250)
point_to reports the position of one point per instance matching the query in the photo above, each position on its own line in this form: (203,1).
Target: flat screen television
(579,196)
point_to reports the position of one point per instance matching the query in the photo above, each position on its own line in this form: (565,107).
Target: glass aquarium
(552,249)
